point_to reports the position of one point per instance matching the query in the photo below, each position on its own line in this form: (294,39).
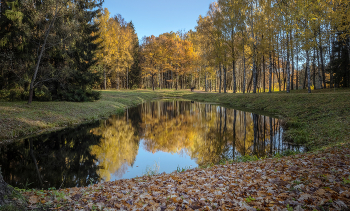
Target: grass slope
(318,119)
(18,119)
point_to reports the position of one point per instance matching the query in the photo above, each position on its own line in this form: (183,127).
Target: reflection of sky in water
(167,163)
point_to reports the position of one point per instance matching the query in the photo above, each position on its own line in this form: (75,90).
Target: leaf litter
(312,181)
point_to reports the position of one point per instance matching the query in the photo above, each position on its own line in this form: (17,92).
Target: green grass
(319,119)
(18,119)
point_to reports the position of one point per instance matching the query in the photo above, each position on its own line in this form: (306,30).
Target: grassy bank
(18,119)
(318,119)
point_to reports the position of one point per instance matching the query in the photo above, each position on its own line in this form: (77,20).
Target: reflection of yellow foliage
(203,130)
(118,148)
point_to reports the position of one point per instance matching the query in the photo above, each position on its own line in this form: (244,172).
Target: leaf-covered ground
(312,181)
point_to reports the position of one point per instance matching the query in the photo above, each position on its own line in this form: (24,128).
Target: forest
(63,50)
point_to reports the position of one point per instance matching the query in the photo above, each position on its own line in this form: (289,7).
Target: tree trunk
(243,70)
(270,75)
(297,73)
(177,80)
(279,73)
(319,71)
(220,77)
(206,81)
(153,82)
(254,70)
(199,78)
(160,80)
(288,67)
(31,90)
(331,52)
(234,87)
(225,70)
(263,74)
(278,67)
(273,68)
(284,74)
(104,79)
(305,77)
(118,86)
(292,55)
(314,69)
(172,79)
(308,72)
(210,85)
(322,66)
(127,78)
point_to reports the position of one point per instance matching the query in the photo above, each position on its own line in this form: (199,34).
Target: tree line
(265,45)
(269,45)
(62,49)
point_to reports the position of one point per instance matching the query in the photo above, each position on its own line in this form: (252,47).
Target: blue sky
(154,17)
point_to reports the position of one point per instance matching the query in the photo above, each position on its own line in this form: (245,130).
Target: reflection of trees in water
(208,132)
(118,146)
(60,159)
(168,126)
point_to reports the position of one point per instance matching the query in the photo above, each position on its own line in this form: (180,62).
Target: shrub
(4,94)
(78,95)
(93,95)
(15,94)
(43,94)
(134,87)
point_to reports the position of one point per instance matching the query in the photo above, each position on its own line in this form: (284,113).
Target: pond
(154,137)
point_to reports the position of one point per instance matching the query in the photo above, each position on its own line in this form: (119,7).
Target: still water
(156,136)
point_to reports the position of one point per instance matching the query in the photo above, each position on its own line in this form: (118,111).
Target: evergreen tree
(82,53)
(135,70)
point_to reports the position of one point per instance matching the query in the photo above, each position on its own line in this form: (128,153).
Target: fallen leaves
(301,182)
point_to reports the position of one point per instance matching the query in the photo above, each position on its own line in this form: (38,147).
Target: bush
(43,94)
(93,95)
(15,94)
(78,95)
(134,87)
(4,94)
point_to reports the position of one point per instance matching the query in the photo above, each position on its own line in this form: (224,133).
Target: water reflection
(177,133)
(60,159)
(210,132)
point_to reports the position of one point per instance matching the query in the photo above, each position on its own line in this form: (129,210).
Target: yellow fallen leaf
(34,199)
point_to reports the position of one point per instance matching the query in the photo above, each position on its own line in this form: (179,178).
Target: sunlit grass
(18,119)
(319,119)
